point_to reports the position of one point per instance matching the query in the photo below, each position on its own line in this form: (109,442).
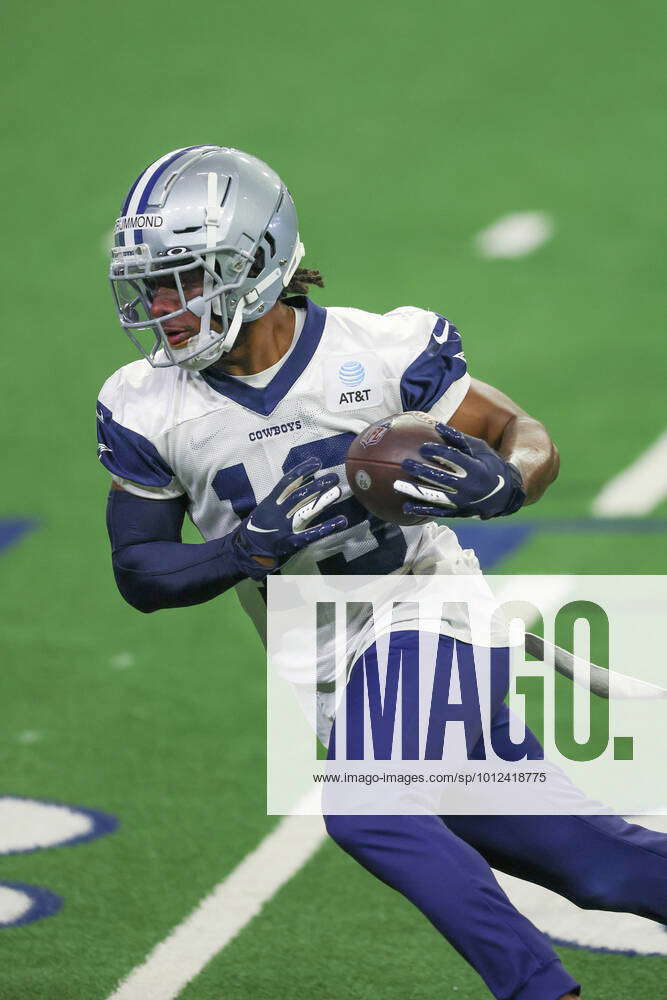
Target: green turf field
(401,132)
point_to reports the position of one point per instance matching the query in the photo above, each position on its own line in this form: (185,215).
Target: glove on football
(464,477)
(278,526)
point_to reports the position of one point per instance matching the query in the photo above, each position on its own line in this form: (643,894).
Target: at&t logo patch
(355,383)
(351,373)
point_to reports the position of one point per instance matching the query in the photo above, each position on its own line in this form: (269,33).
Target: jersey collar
(265,400)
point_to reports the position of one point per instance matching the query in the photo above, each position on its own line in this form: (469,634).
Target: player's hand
(463,477)
(279,525)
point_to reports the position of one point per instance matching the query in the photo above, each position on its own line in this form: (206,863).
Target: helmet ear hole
(258,264)
(271,243)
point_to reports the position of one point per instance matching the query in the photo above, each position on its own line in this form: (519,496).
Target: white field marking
(26,824)
(639,488)
(224,912)
(13,904)
(514,235)
(29,736)
(121,661)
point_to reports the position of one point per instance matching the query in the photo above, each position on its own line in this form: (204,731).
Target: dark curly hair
(301,279)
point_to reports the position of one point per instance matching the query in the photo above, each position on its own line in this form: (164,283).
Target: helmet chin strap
(213,218)
(198,306)
(199,361)
(295,260)
(216,350)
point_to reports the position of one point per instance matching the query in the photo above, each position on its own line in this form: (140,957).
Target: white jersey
(224,442)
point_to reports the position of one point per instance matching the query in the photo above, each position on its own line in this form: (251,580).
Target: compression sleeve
(153,568)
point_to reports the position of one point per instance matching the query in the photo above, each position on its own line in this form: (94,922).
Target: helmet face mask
(135,275)
(208,211)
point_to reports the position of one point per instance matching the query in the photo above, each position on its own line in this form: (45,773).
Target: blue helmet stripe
(123,210)
(126,204)
(150,184)
(143,201)
(128,198)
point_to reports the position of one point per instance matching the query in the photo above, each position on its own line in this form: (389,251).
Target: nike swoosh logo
(501,483)
(264,531)
(100,415)
(440,338)
(196,445)
(101,448)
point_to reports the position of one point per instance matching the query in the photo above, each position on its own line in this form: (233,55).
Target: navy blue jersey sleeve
(439,371)
(128,455)
(153,568)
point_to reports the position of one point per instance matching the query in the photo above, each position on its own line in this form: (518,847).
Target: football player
(240,414)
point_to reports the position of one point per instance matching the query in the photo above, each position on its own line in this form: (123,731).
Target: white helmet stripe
(144,186)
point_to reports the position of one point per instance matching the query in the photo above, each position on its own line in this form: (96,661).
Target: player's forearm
(155,575)
(153,568)
(526,443)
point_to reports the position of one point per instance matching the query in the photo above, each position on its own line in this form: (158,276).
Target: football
(374,459)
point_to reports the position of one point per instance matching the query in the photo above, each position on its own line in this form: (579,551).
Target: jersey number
(233,485)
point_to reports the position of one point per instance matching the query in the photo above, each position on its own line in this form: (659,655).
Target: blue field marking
(492,542)
(13,528)
(43,903)
(495,540)
(101,824)
(608,525)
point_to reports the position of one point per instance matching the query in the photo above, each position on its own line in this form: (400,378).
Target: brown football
(374,459)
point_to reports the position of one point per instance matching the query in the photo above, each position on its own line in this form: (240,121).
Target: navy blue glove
(278,526)
(464,477)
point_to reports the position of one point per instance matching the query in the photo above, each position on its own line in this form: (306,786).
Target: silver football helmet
(207,207)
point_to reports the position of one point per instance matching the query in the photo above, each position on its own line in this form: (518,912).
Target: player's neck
(260,344)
